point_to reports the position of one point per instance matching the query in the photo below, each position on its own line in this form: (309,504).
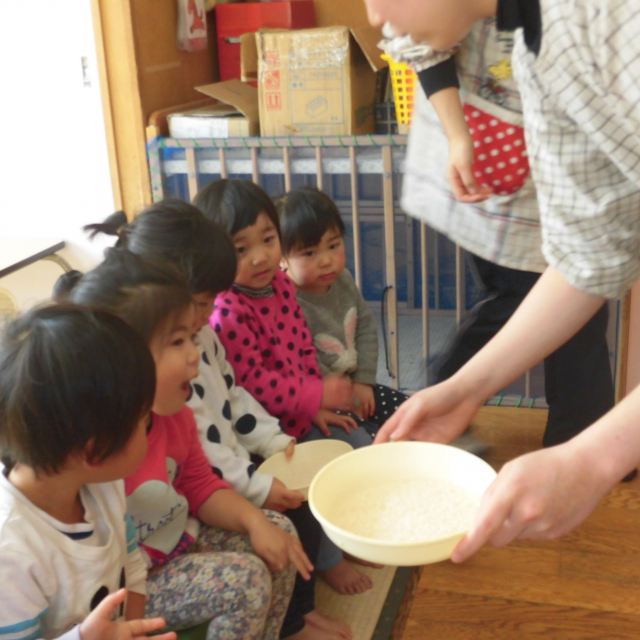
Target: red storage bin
(234,20)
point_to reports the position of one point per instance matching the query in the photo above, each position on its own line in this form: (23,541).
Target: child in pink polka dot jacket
(267,340)
(262,327)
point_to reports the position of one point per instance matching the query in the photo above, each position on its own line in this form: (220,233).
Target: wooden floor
(584,586)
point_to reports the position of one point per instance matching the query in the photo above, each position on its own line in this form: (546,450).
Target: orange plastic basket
(403,81)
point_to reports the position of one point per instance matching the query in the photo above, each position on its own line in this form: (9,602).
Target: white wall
(54,170)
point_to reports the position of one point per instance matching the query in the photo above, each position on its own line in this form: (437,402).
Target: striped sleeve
(23,607)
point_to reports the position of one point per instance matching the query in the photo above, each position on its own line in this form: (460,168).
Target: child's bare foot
(346,579)
(364,563)
(321,627)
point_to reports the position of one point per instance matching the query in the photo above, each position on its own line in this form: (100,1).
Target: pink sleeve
(197,480)
(277,392)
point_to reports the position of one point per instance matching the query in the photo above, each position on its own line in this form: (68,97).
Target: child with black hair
(268,343)
(231,423)
(203,543)
(342,326)
(76,388)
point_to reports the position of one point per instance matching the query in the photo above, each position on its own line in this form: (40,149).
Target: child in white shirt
(76,388)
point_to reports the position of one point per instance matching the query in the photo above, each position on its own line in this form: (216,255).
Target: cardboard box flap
(248,57)
(238,94)
(367,39)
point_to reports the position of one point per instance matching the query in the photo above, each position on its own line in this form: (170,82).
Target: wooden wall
(144,72)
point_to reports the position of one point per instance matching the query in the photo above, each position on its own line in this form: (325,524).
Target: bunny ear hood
(347,356)
(350,322)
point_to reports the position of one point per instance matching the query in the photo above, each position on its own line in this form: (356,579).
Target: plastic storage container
(403,81)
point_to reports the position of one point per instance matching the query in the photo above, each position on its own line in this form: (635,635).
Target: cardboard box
(233,115)
(314,81)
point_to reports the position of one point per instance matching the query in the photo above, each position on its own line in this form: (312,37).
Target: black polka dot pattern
(246,424)
(213,435)
(205,358)
(199,390)
(228,380)
(251,469)
(226,410)
(232,335)
(218,473)
(98,597)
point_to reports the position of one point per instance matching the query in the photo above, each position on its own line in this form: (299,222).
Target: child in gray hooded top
(342,325)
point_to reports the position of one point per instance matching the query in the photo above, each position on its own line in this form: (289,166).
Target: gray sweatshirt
(343,329)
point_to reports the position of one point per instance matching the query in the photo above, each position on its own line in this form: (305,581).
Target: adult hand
(542,495)
(460,171)
(436,414)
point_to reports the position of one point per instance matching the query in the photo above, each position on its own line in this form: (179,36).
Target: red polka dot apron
(500,152)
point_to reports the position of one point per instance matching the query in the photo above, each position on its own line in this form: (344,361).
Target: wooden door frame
(123,115)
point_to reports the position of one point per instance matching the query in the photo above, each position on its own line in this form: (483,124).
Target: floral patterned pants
(221,579)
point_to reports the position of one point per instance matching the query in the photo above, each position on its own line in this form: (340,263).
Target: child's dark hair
(176,232)
(235,204)
(71,380)
(306,214)
(144,295)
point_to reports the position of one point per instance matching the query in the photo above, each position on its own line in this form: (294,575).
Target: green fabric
(195,633)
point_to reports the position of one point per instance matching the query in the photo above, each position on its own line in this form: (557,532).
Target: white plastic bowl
(308,458)
(373,465)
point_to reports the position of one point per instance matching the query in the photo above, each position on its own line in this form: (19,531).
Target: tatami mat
(360,612)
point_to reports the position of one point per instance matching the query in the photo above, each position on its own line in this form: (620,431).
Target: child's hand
(97,625)
(278,548)
(280,498)
(364,393)
(288,452)
(326,418)
(460,171)
(337,393)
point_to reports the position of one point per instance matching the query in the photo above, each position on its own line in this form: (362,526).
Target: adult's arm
(547,493)
(552,313)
